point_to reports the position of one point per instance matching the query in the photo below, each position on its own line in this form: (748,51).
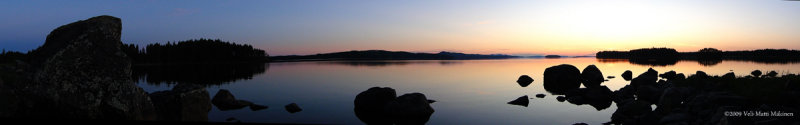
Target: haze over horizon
(571,28)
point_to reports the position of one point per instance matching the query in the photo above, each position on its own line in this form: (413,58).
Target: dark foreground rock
(591,76)
(81,73)
(627,75)
(381,106)
(540,95)
(524,80)
(185,102)
(521,101)
(561,78)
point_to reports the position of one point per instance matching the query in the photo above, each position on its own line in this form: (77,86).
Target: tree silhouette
(195,51)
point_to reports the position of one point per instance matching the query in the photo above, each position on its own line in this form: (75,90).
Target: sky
(526,27)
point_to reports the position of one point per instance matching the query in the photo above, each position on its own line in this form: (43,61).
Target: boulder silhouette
(524,80)
(81,73)
(591,76)
(521,101)
(224,100)
(561,78)
(293,108)
(380,106)
(627,75)
(756,73)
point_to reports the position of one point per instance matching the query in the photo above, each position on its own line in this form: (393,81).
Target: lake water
(466,91)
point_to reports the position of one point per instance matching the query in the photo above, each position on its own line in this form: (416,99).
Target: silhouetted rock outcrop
(627,75)
(293,108)
(185,102)
(524,80)
(521,101)
(561,78)
(224,100)
(381,106)
(591,76)
(756,73)
(81,73)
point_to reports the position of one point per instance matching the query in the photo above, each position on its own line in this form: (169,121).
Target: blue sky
(510,27)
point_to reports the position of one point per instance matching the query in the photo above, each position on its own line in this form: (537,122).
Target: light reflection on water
(466,91)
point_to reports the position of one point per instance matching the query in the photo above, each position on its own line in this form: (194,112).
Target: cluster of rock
(381,106)
(704,99)
(566,80)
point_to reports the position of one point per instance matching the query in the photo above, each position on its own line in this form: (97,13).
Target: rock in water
(224,100)
(380,106)
(82,73)
(627,75)
(521,101)
(292,108)
(524,80)
(756,73)
(540,95)
(559,79)
(591,76)
(185,102)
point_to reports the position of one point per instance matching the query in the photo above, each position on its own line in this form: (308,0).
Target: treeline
(195,51)
(11,56)
(705,55)
(388,55)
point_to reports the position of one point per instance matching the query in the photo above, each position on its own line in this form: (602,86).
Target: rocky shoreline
(697,99)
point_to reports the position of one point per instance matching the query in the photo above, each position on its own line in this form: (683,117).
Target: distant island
(195,51)
(552,56)
(388,55)
(656,55)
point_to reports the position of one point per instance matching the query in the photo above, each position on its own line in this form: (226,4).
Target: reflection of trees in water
(210,74)
(381,63)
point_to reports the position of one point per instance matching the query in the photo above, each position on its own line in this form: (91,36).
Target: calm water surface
(466,91)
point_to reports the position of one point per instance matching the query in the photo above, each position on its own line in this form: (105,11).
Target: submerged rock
(255,107)
(82,73)
(591,76)
(524,80)
(627,75)
(293,108)
(380,106)
(561,78)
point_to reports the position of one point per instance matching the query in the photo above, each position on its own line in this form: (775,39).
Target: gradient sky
(289,27)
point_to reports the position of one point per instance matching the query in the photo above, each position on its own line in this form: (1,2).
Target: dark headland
(387,55)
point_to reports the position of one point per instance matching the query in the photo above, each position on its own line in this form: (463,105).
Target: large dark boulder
(411,109)
(81,73)
(647,78)
(627,75)
(379,106)
(561,78)
(591,76)
(524,80)
(185,102)
(756,73)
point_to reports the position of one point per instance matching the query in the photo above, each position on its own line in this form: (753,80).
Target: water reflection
(383,63)
(207,74)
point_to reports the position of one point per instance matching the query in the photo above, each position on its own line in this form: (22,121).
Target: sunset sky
(289,27)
